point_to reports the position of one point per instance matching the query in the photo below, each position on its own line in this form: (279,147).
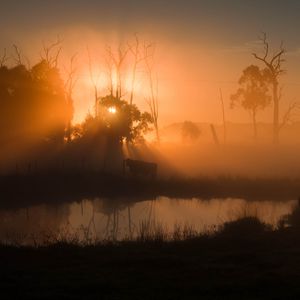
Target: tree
(122,121)
(252,94)
(115,63)
(137,59)
(152,100)
(273,64)
(190,131)
(223,116)
(32,103)
(94,81)
(70,83)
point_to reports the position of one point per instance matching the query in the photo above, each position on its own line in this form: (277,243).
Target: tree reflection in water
(112,219)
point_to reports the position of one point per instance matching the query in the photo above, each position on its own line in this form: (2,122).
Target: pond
(119,218)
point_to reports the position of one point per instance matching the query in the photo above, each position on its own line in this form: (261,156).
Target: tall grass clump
(248,226)
(291,220)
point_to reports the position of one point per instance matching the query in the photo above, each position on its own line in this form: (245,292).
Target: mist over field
(150,149)
(239,156)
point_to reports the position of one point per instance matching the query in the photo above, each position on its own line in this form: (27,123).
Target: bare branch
(274,63)
(71,78)
(4,58)
(138,58)
(287,117)
(274,66)
(117,62)
(266,45)
(152,101)
(280,92)
(94,82)
(263,39)
(109,64)
(69,87)
(48,55)
(18,58)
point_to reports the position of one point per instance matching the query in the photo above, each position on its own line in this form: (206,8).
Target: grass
(242,259)
(263,264)
(244,223)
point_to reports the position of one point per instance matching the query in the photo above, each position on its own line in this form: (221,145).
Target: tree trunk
(254,125)
(133,82)
(276,113)
(214,134)
(223,114)
(69,131)
(157,131)
(96,102)
(69,125)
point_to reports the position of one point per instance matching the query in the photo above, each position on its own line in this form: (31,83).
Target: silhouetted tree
(152,100)
(223,117)
(273,64)
(190,131)
(32,103)
(252,94)
(122,120)
(51,52)
(115,63)
(135,50)
(3,58)
(70,83)
(94,80)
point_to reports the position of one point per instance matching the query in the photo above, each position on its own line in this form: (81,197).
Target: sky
(201,46)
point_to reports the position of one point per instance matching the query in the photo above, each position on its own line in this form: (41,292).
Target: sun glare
(112,110)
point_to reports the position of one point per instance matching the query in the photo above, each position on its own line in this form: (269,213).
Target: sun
(112,110)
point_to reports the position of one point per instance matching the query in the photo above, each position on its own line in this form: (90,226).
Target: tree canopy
(32,103)
(252,94)
(121,120)
(190,131)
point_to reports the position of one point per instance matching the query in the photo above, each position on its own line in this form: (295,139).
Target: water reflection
(118,218)
(25,223)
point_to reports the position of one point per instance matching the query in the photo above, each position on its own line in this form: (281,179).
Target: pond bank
(38,188)
(261,264)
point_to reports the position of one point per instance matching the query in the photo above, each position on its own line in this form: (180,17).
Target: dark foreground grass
(234,263)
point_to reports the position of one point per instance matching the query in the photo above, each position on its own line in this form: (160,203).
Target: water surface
(119,218)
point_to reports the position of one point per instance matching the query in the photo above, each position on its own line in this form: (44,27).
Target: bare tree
(273,64)
(18,56)
(117,61)
(110,68)
(223,115)
(288,116)
(69,88)
(152,100)
(94,82)
(137,59)
(50,52)
(3,58)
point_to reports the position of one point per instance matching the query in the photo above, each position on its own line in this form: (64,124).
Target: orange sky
(202,46)
(189,77)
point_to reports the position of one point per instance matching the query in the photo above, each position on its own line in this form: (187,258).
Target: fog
(187,90)
(238,156)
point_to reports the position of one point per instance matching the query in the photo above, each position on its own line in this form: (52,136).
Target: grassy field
(244,260)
